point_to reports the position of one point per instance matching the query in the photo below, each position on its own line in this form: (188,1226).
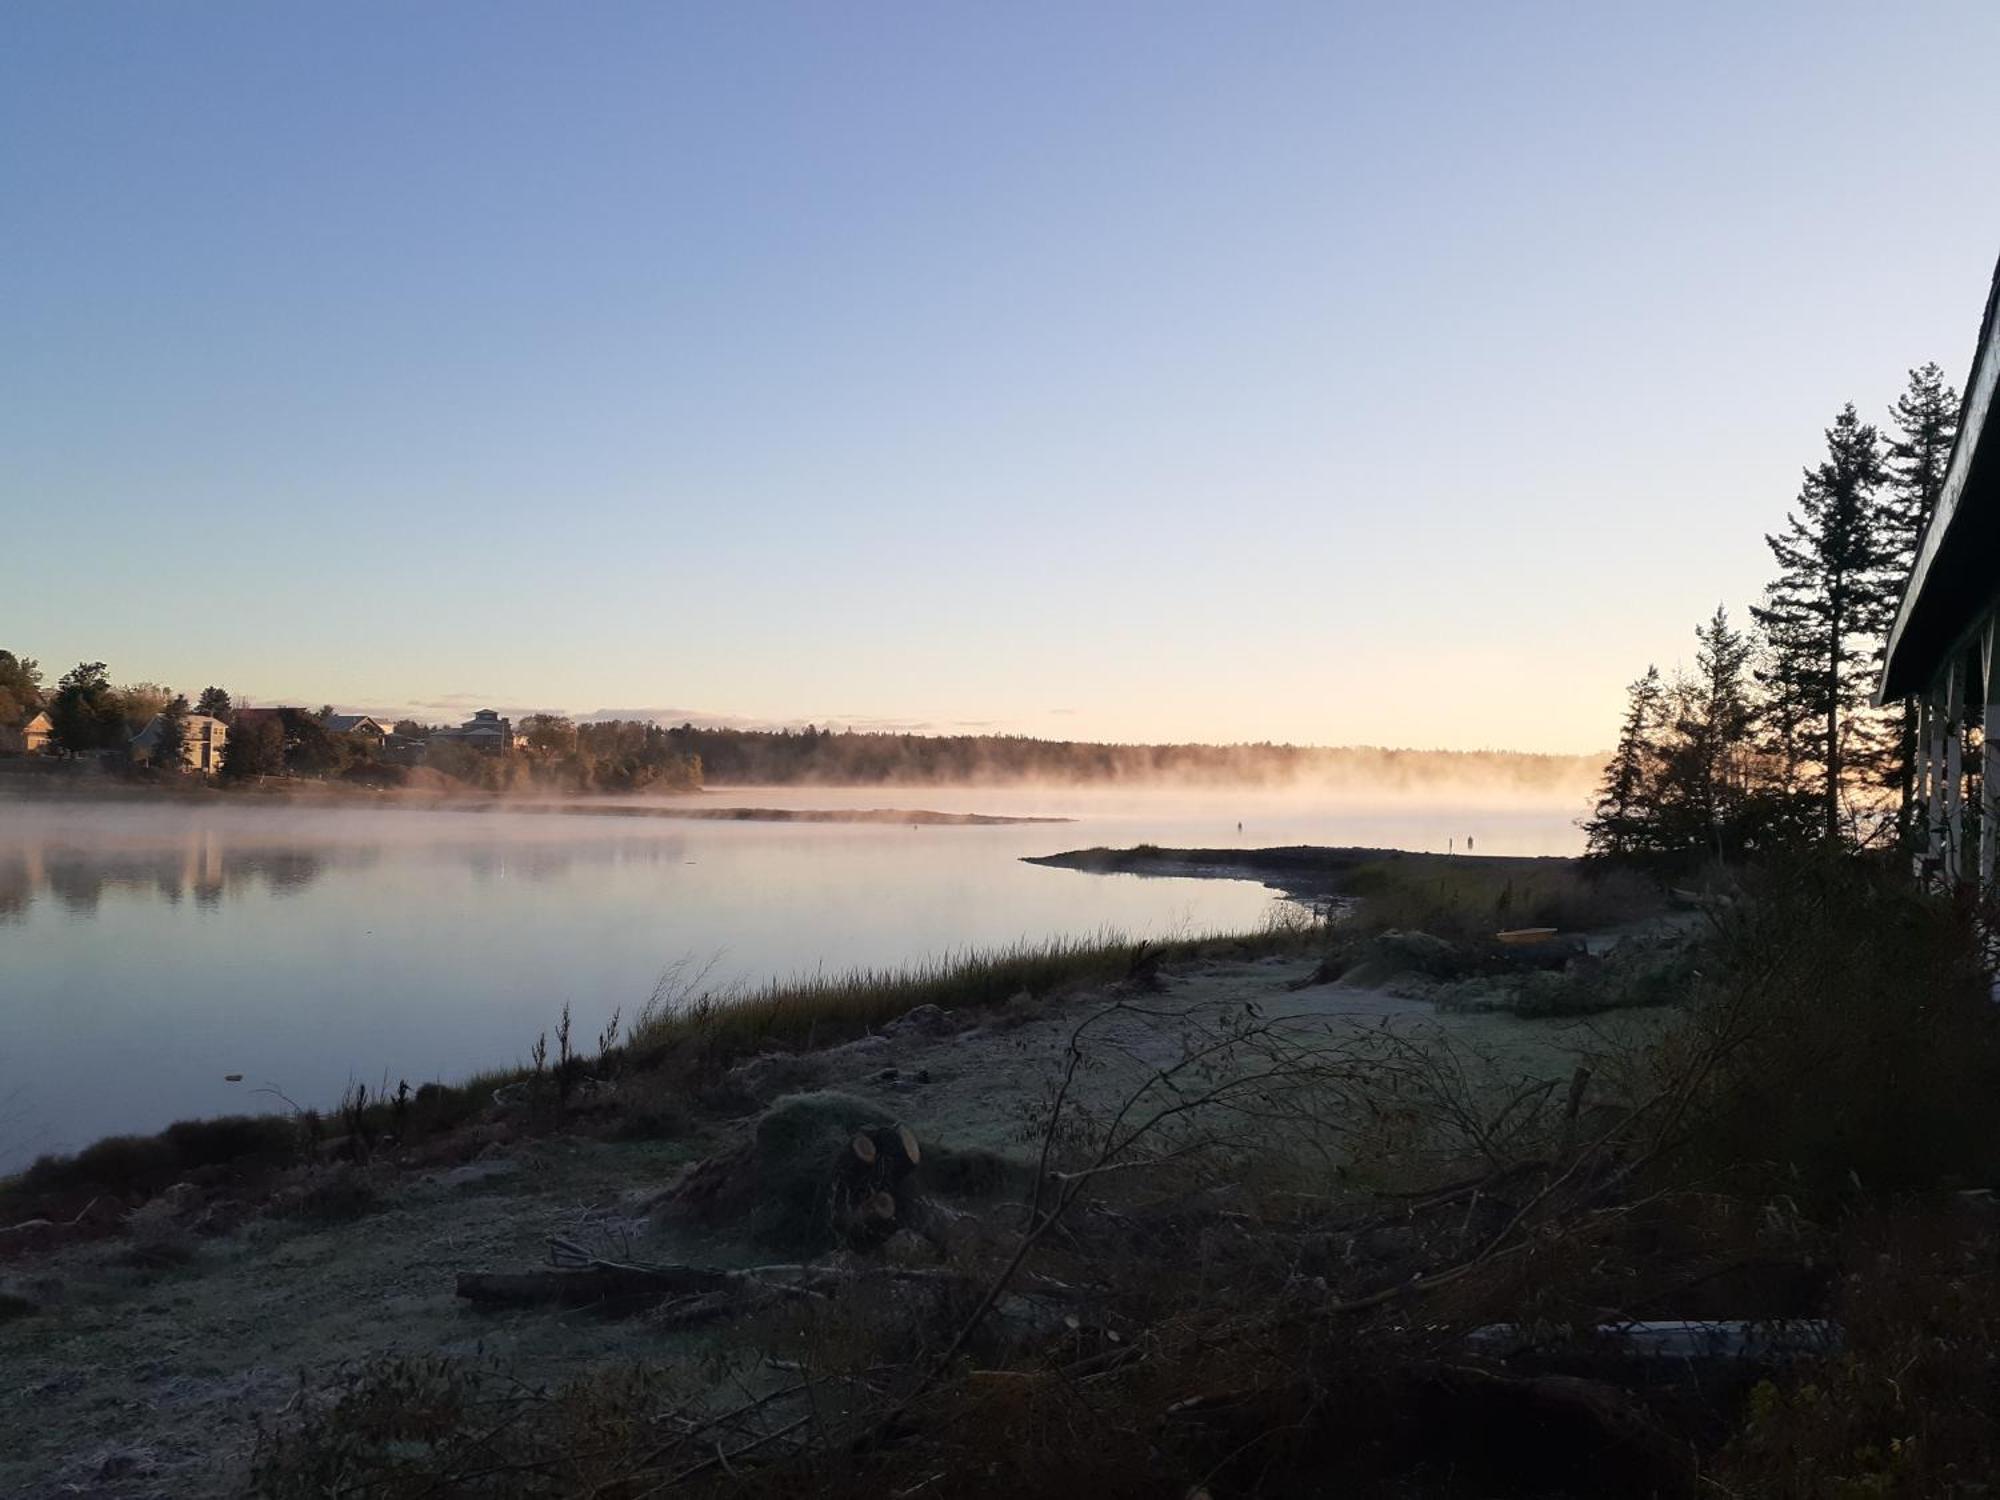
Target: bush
(1471,899)
(145,1164)
(1848,1041)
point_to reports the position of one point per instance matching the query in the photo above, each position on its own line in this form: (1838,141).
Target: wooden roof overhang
(1956,580)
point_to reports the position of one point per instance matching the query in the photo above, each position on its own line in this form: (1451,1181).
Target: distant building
(360,725)
(29,738)
(485,731)
(202,741)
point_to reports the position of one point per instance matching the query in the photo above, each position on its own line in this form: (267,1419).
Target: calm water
(146,951)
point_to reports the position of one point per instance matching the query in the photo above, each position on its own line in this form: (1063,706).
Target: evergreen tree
(214,702)
(1821,612)
(1705,792)
(170,749)
(1925,418)
(1624,820)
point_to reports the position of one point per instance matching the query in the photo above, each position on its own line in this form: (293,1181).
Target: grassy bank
(1225,1311)
(663,1064)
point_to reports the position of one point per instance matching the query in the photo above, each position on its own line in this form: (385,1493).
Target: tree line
(1771,739)
(826,757)
(87,712)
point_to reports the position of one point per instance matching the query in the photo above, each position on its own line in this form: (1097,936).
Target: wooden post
(1989,761)
(1934,814)
(1917,831)
(1954,769)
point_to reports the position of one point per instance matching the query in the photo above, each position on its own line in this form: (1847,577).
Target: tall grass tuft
(825,1008)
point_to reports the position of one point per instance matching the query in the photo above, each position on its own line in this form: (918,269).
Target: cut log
(863,1147)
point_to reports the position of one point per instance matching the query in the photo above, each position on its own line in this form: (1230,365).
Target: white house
(201,749)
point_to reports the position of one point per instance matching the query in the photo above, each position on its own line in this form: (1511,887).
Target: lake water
(147,950)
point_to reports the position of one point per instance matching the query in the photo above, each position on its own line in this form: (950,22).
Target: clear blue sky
(1401,373)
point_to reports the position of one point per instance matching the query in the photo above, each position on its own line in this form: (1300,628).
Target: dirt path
(131,1382)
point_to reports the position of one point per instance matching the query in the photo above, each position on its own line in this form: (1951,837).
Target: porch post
(1989,761)
(1918,830)
(1954,769)
(1934,814)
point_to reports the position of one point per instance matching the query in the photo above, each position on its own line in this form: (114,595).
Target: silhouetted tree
(215,703)
(1627,805)
(1925,419)
(254,749)
(170,748)
(310,748)
(1821,612)
(1705,782)
(85,714)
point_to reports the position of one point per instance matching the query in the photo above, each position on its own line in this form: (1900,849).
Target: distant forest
(823,757)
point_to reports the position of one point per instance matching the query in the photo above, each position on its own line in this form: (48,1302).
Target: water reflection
(149,953)
(203,869)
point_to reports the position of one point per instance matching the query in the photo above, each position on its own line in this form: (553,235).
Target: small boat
(1517,936)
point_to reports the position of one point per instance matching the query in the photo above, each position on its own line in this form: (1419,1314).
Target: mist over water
(147,950)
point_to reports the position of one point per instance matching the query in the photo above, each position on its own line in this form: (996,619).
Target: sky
(1392,374)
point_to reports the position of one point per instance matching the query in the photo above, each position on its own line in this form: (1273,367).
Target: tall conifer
(1626,800)
(1822,610)
(1925,419)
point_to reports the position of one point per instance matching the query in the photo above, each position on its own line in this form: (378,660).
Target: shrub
(1848,1040)
(1471,899)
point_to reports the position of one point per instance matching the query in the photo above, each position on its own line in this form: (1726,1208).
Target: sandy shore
(128,1377)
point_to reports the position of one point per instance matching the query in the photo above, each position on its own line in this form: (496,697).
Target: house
(28,738)
(202,741)
(1941,649)
(362,726)
(485,731)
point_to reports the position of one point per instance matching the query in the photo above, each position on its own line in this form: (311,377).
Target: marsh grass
(822,1009)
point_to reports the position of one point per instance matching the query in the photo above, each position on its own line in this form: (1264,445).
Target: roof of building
(349,723)
(194,723)
(1953,584)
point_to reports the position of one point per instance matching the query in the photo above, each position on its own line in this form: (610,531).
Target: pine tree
(1705,792)
(1824,607)
(1623,823)
(1925,417)
(214,702)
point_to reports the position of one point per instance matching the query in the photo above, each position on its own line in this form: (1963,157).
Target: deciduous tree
(86,714)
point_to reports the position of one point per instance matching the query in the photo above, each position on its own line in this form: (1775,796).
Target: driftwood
(577,1279)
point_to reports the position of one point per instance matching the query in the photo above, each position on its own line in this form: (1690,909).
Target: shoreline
(1302,872)
(323,796)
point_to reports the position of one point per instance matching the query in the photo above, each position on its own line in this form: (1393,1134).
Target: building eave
(1930,622)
